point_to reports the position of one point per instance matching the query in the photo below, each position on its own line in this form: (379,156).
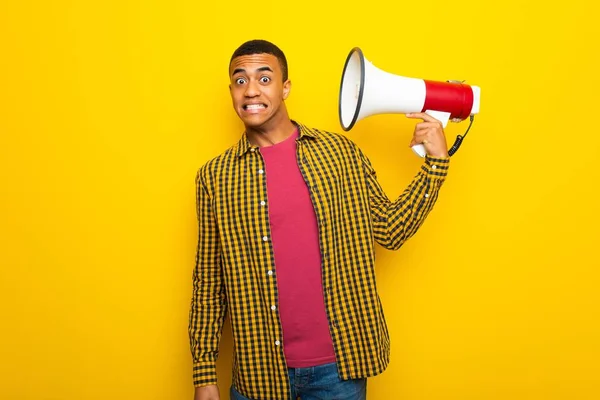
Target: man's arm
(210,392)
(396,222)
(208,308)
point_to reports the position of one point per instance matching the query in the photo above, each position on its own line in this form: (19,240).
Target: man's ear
(287,86)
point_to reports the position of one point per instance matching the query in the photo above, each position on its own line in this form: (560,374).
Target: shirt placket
(268,271)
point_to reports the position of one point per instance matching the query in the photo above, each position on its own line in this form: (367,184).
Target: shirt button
(252,149)
(273,308)
(426,194)
(260,171)
(434,167)
(265,238)
(277,343)
(269,272)
(262,203)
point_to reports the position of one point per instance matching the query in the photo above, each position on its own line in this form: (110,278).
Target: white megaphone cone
(366,90)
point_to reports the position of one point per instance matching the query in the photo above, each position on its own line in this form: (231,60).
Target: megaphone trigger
(441,116)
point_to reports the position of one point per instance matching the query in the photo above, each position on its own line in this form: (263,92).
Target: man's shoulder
(339,145)
(216,163)
(335,138)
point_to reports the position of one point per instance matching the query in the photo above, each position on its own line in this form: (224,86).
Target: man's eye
(240,81)
(265,79)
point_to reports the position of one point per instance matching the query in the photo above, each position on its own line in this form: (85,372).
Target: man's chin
(254,121)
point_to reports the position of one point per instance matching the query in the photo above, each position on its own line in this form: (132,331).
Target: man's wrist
(205,374)
(436,167)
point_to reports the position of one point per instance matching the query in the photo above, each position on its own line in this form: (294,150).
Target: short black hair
(259,46)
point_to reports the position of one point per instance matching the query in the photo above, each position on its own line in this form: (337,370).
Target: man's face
(257,89)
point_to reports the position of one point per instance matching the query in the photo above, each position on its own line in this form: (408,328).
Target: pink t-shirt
(295,235)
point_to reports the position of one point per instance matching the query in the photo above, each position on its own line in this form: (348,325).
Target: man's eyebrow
(264,69)
(261,69)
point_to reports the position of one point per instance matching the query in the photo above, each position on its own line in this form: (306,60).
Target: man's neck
(270,136)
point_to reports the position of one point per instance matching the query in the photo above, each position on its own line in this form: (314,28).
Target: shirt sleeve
(396,222)
(209,306)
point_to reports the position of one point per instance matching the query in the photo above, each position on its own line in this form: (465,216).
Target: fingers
(423,116)
(420,137)
(430,133)
(427,125)
(424,131)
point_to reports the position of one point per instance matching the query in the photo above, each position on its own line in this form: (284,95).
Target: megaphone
(366,90)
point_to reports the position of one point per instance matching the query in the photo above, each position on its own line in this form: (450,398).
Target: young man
(287,219)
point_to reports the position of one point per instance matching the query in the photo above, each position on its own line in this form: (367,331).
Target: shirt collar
(243,145)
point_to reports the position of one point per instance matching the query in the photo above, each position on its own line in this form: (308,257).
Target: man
(287,219)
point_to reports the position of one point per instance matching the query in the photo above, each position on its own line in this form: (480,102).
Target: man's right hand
(210,392)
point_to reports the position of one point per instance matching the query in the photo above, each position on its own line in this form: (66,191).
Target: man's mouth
(254,107)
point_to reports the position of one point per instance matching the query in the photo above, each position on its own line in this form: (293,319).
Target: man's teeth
(254,106)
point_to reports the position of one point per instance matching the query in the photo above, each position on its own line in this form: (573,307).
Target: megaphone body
(366,90)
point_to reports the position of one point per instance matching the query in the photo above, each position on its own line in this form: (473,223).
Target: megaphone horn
(366,90)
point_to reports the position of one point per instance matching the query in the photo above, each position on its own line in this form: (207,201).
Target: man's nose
(252,89)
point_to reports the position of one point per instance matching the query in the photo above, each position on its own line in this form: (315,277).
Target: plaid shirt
(235,269)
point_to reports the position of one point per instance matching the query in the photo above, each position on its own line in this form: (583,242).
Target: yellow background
(108,108)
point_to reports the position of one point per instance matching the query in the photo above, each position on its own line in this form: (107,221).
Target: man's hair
(261,47)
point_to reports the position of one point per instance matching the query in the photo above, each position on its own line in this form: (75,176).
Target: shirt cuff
(205,373)
(436,167)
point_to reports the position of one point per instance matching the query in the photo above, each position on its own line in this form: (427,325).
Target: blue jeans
(319,383)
